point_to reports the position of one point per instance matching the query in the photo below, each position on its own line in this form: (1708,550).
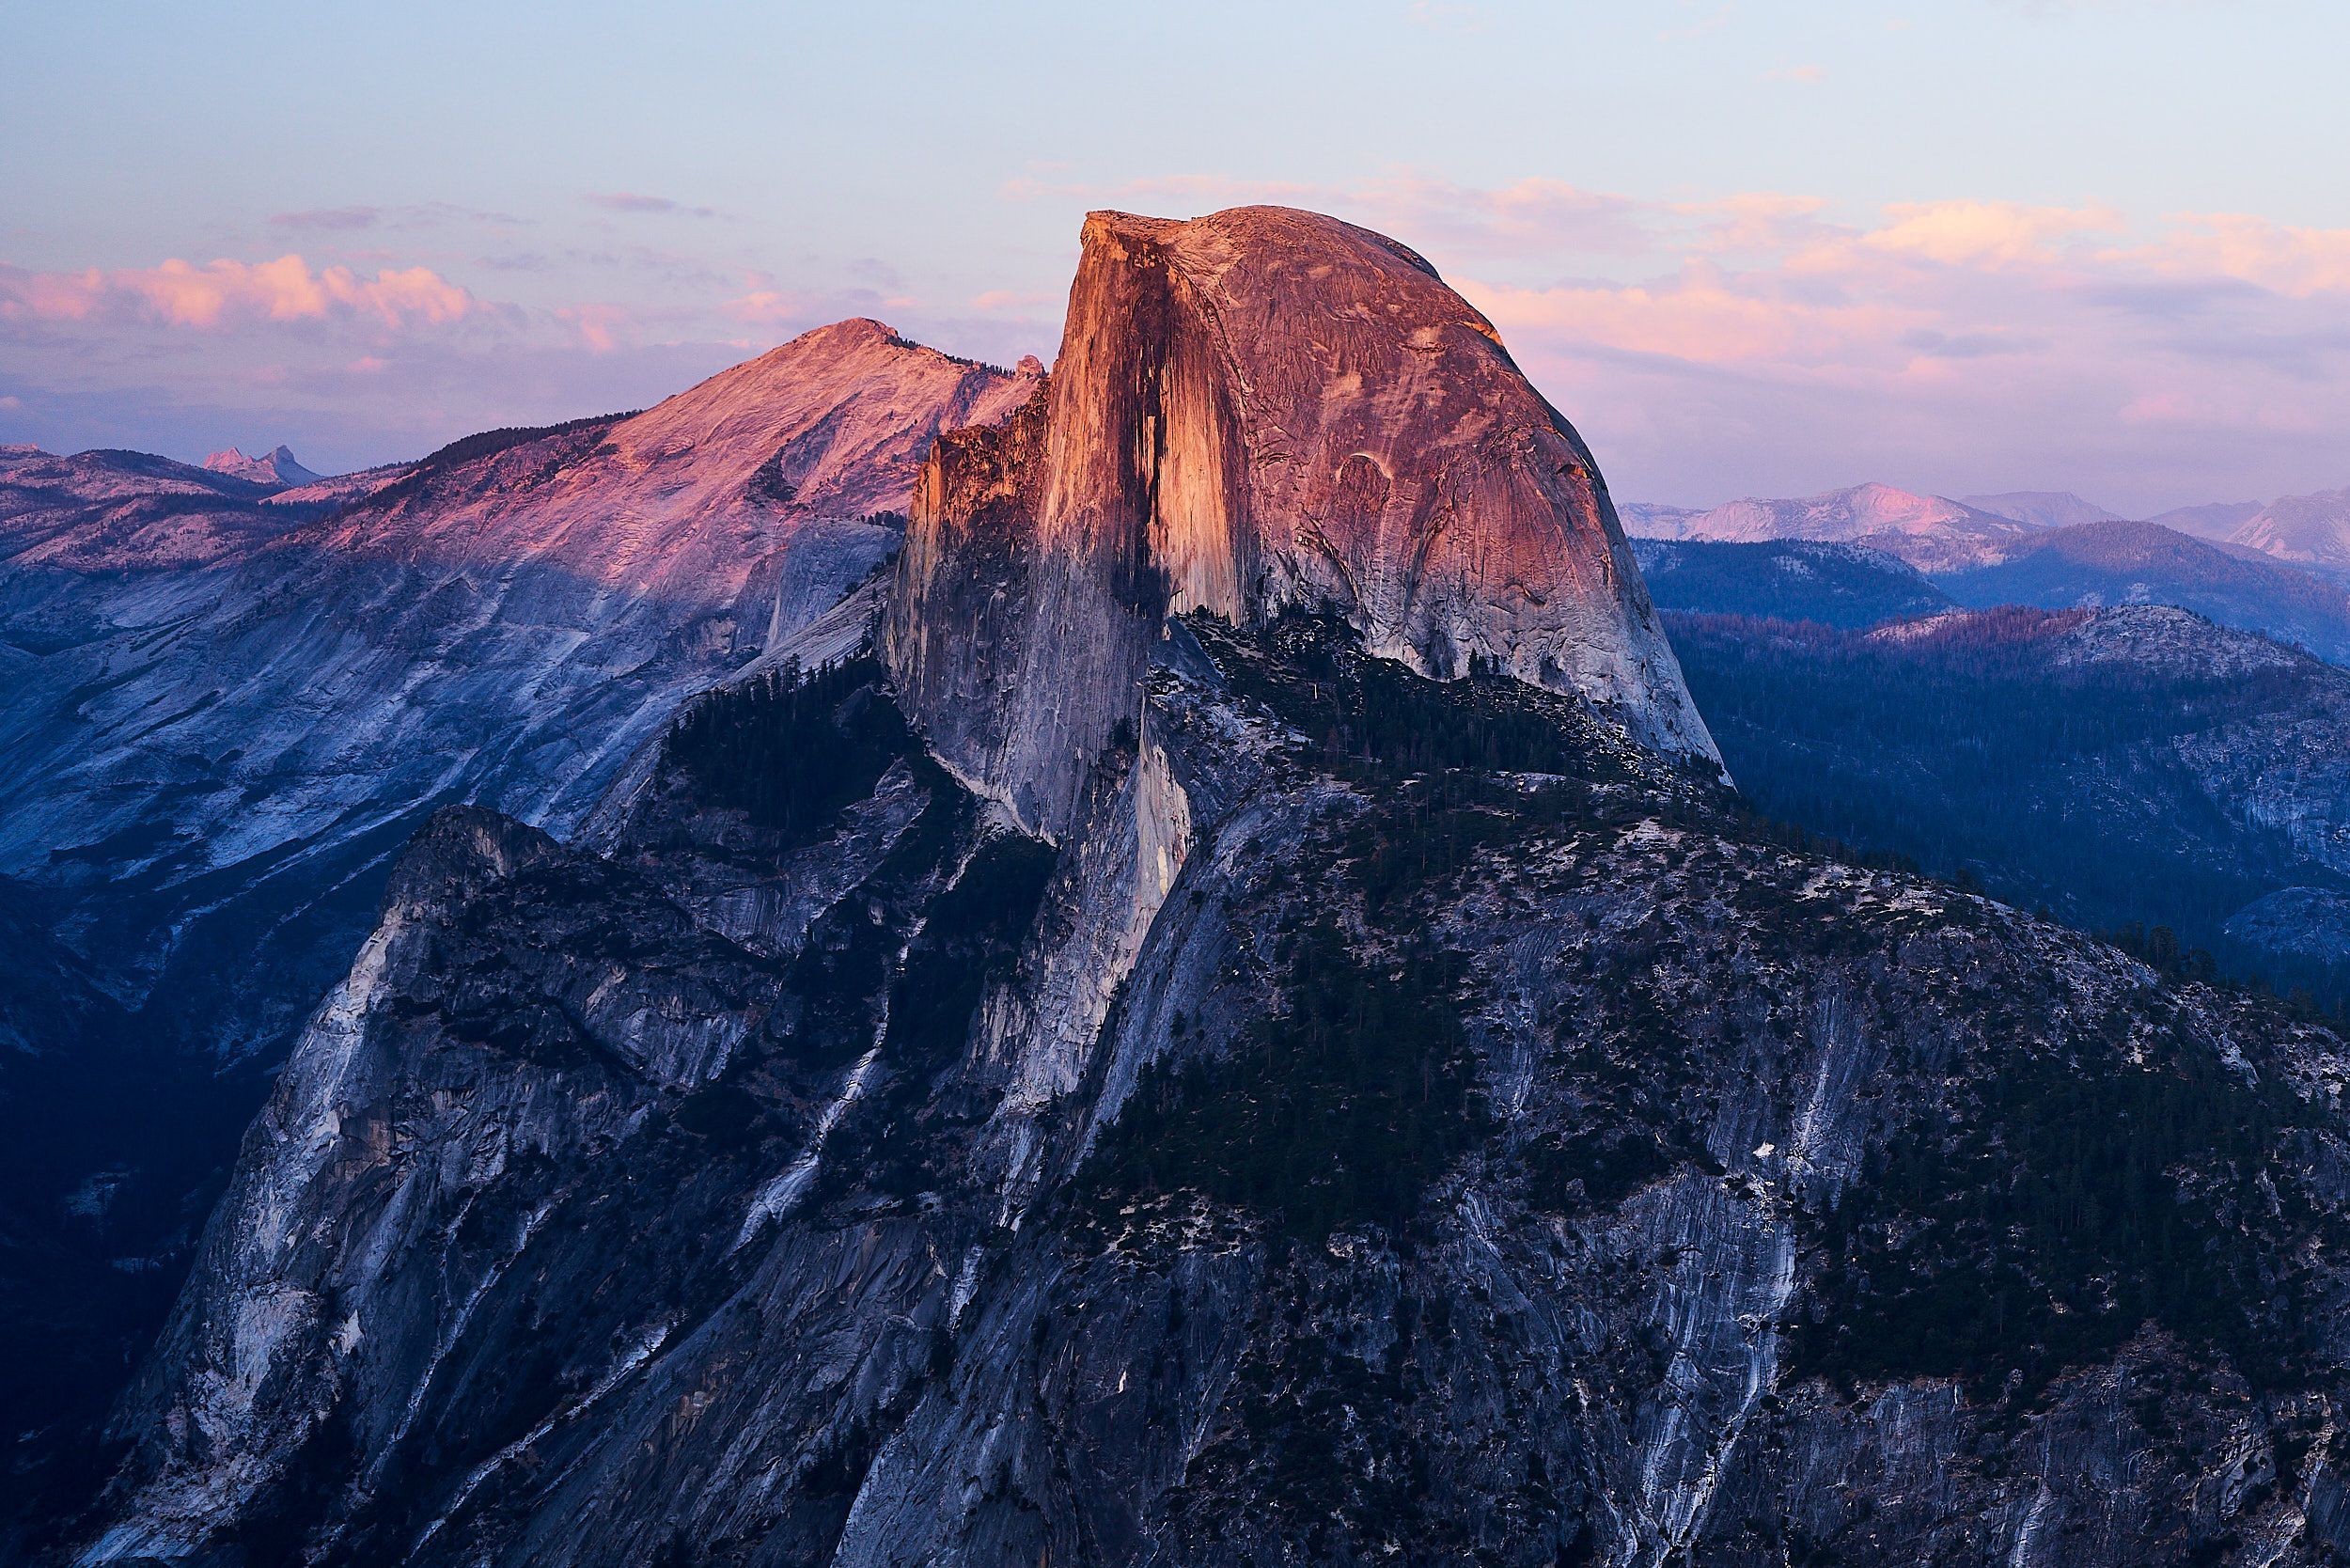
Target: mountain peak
(688,497)
(2310,530)
(2044,509)
(1258,410)
(279,469)
(1931,533)
(826,412)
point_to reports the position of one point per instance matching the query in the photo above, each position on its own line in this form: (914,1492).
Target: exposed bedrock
(1256,411)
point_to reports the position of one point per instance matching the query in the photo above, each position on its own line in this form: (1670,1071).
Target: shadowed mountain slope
(217,749)
(2141,563)
(2134,765)
(1834,585)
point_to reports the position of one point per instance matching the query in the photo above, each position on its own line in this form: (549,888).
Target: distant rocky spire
(279,470)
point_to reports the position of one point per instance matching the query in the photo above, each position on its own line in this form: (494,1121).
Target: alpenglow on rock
(1256,411)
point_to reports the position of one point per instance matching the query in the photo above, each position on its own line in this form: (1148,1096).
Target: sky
(1749,249)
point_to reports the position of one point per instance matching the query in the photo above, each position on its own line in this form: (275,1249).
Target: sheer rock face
(1256,411)
(757,1194)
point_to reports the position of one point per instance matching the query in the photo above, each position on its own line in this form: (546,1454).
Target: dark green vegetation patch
(1367,714)
(2070,1206)
(790,749)
(1336,1110)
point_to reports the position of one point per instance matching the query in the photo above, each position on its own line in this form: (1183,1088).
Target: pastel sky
(1748,248)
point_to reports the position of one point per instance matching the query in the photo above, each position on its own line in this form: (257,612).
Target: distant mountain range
(2312,530)
(2095,564)
(2214,520)
(1930,532)
(1937,534)
(2053,550)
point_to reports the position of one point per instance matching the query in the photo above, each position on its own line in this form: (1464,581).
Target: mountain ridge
(1929,532)
(2120,562)
(2310,530)
(2044,509)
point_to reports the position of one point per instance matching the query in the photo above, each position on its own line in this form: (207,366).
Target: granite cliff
(1252,412)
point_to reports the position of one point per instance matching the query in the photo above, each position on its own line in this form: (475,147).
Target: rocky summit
(1253,413)
(278,469)
(1226,1015)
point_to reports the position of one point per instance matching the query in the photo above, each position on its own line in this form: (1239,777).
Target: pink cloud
(1984,233)
(1762,345)
(179,293)
(2156,408)
(637,201)
(2292,260)
(1756,220)
(1702,316)
(1016,300)
(600,326)
(767,306)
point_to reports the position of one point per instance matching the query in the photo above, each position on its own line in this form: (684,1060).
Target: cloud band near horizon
(1752,344)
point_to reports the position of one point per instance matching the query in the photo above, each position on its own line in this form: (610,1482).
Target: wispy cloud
(601,327)
(329,218)
(634,201)
(1020,301)
(1711,21)
(2295,260)
(410,215)
(1770,346)
(1986,233)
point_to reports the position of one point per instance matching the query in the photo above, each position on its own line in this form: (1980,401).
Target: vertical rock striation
(1258,410)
